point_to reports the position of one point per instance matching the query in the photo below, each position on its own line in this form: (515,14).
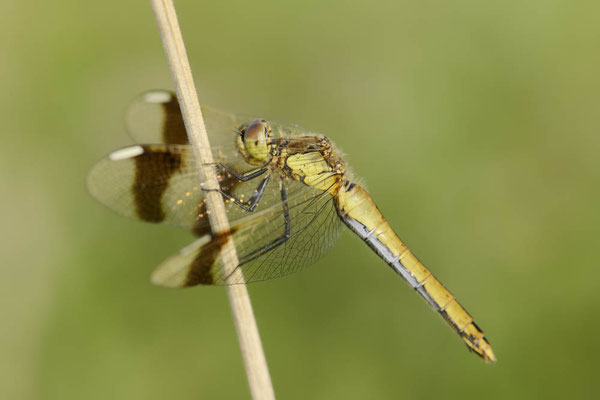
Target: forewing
(160,183)
(155,117)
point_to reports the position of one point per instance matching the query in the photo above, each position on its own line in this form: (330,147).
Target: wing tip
(167,279)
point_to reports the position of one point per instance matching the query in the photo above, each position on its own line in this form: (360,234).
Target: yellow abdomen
(359,212)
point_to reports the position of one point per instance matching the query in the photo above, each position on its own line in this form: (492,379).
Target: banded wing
(313,229)
(155,117)
(159,183)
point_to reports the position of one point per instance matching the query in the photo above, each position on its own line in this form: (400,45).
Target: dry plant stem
(243,316)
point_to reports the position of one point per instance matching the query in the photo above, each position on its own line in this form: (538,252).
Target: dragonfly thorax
(311,160)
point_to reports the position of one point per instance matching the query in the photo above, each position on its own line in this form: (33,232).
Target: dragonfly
(287,192)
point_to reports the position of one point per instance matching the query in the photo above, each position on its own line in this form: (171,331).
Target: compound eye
(255,132)
(256,137)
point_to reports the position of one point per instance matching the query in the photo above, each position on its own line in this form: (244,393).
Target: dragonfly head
(254,141)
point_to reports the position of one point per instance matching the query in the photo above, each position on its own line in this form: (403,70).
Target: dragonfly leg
(277,241)
(251,204)
(244,176)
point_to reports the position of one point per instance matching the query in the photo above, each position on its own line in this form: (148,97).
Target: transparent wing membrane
(263,252)
(313,230)
(155,117)
(160,184)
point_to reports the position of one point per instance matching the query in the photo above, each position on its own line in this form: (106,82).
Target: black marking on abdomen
(450,322)
(153,171)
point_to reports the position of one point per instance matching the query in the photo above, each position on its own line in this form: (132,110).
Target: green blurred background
(474,125)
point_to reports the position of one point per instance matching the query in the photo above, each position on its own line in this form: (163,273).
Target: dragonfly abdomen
(359,212)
